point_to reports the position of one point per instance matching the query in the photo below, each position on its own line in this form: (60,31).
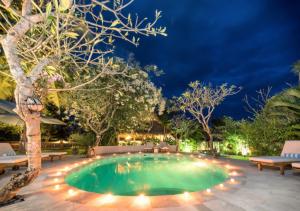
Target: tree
(285,106)
(119,102)
(94,110)
(200,101)
(272,120)
(59,39)
(255,105)
(264,135)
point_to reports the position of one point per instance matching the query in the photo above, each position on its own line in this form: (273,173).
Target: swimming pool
(149,174)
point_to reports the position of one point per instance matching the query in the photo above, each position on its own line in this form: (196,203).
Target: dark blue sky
(248,43)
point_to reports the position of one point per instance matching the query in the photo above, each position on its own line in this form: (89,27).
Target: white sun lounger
(8,157)
(14,161)
(149,147)
(290,154)
(296,166)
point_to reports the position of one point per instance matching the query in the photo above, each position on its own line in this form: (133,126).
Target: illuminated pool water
(148,174)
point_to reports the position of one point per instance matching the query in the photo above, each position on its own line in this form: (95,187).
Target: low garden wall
(100,150)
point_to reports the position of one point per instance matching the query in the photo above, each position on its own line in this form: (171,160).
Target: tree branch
(6,3)
(26,7)
(37,71)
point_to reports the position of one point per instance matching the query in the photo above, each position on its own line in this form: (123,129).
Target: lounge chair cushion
(13,159)
(274,159)
(291,155)
(291,147)
(296,165)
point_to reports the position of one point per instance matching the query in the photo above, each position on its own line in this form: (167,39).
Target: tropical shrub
(188,145)
(265,135)
(9,133)
(85,140)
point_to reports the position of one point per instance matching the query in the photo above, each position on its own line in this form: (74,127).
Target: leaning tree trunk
(210,139)
(91,150)
(24,91)
(98,140)
(33,134)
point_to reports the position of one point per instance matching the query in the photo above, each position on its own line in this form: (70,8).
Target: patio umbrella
(10,117)
(14,119)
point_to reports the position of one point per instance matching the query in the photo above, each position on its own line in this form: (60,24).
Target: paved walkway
(258,191)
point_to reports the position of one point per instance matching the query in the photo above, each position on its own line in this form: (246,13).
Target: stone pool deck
(257,191)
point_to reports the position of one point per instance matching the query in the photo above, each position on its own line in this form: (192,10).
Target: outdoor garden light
(208,190)
(98,156)
(128,153)
(55,180)
(227,166)
(200,164)
(140,152)
(107,199)
(232,180)
(34,104)
(142,200)
(221,186)
(90,160)
(56,187)
(186,195)
(233,173)
(84,162)
(67,168)
(71,192)
(58,173)
(114,154)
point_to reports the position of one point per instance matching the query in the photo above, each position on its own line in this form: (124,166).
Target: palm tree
(296,70)
(286,106)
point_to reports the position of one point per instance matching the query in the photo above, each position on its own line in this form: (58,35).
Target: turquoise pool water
(148,174)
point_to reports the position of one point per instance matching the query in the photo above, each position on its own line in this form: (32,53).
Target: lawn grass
(237,157)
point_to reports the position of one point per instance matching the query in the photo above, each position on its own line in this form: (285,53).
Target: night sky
(248,43)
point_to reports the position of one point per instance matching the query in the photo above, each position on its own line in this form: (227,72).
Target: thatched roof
(155,128)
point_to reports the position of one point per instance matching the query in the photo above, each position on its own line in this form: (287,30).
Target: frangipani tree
(200,101)
(60,39)
(115,102)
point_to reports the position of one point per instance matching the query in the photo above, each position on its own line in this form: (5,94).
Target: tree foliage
(119,103)
(201,100)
